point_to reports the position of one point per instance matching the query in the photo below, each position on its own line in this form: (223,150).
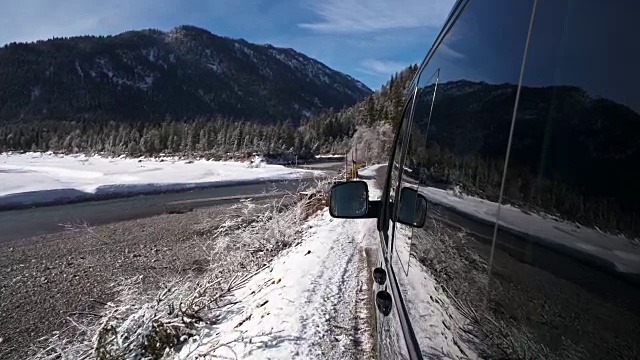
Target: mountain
(580,132)
(218,136)
(148,75)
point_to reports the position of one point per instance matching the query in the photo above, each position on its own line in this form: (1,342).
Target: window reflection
(563,279)
(396,161)
(564,270)
(455,157)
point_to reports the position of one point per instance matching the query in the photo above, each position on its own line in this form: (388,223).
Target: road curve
(19,224)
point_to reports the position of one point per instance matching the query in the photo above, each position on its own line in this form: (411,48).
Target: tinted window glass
(564,277)
(412,161)
(456,158)
(399,151)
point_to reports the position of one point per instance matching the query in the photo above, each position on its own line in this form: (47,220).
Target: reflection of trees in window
(577,160)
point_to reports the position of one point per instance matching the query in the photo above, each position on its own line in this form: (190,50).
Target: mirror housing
(349,200)
(412,209)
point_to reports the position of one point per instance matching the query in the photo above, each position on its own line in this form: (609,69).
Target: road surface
(19,224)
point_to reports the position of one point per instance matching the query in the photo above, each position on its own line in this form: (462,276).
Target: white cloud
(353,16)
(448,51)
(381,67)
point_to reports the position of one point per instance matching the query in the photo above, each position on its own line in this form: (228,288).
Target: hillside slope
(151,74)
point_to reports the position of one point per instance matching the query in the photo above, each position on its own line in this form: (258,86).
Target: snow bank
(621,252)
(330,156)
(37,178)
(310,302)
(370,171)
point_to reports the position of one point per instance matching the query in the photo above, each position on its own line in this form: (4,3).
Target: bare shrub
(142,325)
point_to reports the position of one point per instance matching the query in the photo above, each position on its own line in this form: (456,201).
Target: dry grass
(143,325)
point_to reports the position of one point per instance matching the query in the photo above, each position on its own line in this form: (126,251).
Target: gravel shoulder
(47,281)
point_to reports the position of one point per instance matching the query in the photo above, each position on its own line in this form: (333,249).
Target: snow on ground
(38,178)
(369,173)
(618,250)
(330,156)
(311,303)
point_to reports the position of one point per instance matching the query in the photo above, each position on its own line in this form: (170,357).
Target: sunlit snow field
(41,178)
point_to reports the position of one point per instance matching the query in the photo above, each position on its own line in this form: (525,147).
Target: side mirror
(412,210)
(349,200)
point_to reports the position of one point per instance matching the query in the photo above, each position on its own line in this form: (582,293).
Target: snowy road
(313,302)
(336,298)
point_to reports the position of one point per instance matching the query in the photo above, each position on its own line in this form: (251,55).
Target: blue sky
(367,39)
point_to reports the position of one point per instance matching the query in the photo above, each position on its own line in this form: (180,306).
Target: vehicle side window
(396,161)
(411,163)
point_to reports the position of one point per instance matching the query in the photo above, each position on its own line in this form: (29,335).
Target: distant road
(332,165)
(23,223)
(19,224)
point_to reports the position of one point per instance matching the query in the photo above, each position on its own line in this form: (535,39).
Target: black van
(510,218)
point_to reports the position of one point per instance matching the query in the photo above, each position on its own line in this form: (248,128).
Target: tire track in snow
(311,303)
(332,322)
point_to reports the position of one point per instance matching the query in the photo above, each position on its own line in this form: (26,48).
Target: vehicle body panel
(521,129)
